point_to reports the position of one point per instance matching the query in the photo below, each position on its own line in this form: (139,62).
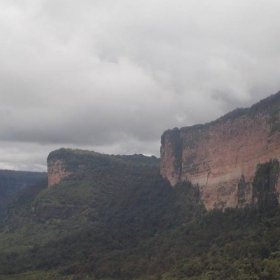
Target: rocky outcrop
(65,162)
(56,172)
(222,156)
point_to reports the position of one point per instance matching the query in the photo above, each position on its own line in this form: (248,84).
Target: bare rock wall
(223,155)
(56,172)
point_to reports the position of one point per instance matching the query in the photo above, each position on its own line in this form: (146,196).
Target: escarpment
(222,156)
(63,163)
(60,166)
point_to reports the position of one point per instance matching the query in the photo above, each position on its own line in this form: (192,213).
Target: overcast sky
(112,75)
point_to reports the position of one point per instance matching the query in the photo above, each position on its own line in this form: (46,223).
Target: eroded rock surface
(222,156)
(56,172)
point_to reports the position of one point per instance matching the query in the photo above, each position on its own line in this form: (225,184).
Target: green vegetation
(11,182)
(243,188)
(264,185)
(121,220)
(175,139)
(273,117)
(269,107)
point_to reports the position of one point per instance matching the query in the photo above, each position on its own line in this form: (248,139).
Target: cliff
(115,217)
(65,162)
(222,156)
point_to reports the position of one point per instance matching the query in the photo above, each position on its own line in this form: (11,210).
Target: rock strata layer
(222,156)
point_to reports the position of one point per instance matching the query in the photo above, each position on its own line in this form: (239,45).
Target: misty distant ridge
(12,182)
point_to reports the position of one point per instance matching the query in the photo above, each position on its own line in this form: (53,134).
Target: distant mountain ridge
(12,182)
(219,155)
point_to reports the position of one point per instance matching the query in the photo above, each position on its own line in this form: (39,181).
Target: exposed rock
(56,172)
(222,156)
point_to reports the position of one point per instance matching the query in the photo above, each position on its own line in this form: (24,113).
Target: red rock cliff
(222,155)
(56,172)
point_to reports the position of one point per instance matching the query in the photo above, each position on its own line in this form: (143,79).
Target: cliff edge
(222,156)
(63,163)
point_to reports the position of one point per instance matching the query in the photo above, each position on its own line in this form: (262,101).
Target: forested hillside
(11,182)
(118,219)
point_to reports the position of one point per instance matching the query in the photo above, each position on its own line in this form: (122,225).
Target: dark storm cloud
(113,75)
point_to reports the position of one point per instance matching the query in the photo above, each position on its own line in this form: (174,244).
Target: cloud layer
(113,75)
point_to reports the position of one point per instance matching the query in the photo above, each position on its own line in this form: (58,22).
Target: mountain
(115,217)
(11,182)
(64,162)
(107,217)
(222,156)
(95,209)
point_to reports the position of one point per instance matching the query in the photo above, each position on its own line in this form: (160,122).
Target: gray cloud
(113,75)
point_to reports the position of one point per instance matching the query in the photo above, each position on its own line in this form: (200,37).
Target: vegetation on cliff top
(89,160)
(270,107)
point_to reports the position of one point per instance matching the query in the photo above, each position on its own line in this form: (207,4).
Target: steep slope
(222,156)
(93,181)
(11,182)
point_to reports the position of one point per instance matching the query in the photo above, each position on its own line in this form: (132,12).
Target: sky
(113,75)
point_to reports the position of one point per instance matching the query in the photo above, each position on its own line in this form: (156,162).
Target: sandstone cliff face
(222,156)
(56,172)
